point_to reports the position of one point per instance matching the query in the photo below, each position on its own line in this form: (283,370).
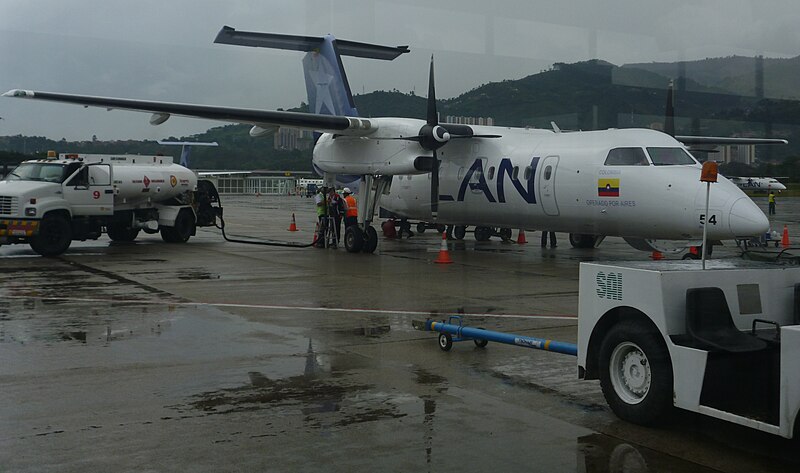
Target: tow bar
(454,331)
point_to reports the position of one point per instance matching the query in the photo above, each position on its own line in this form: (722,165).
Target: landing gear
(459,232)
(483,233)
(370,240)
(353,239)
(582,240)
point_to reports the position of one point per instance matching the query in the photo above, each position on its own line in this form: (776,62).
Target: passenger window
(626,157)
(548,171)
(527,173)
(515,173)
(491,173)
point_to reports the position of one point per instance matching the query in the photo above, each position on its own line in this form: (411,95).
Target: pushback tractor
(723,342)
(48,203)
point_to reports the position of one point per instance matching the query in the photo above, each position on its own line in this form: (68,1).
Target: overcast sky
(163,49)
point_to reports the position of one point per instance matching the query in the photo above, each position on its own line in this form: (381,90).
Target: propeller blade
(433,117)
(435,188)
(452,137)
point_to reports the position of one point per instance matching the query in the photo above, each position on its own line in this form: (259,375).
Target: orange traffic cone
(656,256)
(293,225)
(521,237)
(785,239)
(444,255)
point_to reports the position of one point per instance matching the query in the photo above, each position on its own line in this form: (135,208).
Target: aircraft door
(547,185)
(89,190)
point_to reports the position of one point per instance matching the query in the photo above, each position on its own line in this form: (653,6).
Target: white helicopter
(639,184)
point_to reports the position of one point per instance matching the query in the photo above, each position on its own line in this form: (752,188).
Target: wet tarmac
(216,356)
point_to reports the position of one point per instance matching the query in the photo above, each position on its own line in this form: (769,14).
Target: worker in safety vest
(351,214)
(321,203)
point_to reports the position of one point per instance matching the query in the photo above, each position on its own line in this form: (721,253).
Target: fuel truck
(48,203)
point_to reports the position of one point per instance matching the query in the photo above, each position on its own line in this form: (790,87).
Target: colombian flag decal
(608,187)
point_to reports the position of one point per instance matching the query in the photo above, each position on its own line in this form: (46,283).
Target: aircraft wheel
(55,235)
(582,240)
(441,228)
(445,341)
(459,232)
(483,233)
(370,240)
(421,227)
(636,373)
(505,233)
(354,239)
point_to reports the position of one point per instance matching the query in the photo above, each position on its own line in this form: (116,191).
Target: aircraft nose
(746,219)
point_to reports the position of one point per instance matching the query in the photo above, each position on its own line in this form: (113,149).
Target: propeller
(433,136)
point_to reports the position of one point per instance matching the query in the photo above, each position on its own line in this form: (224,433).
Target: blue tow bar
(451,332)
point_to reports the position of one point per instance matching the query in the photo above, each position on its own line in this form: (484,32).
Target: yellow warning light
(709,172)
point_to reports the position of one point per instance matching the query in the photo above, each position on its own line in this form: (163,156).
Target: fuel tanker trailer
(48,203)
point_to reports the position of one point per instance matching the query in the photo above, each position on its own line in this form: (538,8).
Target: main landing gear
(363,237)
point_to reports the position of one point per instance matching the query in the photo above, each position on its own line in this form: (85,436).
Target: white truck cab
(724,342)
(50,202)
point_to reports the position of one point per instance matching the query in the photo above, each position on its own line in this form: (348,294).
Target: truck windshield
(48,172)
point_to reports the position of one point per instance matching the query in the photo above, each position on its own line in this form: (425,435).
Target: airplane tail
(326,81)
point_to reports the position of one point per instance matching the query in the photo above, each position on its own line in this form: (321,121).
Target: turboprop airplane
(635,183)
(758,184)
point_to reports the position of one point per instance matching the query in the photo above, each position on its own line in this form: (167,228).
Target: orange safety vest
(352,208)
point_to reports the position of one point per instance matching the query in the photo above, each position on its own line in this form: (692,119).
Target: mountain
(582,96)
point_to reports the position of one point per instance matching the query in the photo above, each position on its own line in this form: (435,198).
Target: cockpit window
(38,172)
(626,157)
(670,156)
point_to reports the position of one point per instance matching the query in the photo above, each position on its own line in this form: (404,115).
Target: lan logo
(608,187)
(609,286)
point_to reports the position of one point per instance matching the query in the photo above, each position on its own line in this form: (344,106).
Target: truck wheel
(354,239)
(636,373)
(370,240)
(121,233)
(183,229)
(483,233)
(459,232)
(55,235)
(445,341)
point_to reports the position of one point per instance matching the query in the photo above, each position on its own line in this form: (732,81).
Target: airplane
(764,184)
(640,184)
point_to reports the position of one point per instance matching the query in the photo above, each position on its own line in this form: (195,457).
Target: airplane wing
(265,119)
(717,140)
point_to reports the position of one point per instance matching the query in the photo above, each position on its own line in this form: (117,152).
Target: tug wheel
(479,342)
(445,341)
(636,373)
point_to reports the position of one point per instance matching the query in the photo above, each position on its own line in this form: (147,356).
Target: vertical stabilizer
(326,82)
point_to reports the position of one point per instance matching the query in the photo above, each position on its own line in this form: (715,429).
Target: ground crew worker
(552,239)
(336,210)
(771,201)
(322,212)
(351,212)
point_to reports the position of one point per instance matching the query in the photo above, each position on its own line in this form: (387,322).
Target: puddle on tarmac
(600,453)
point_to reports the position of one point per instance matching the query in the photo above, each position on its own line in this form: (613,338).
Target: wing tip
(18,93)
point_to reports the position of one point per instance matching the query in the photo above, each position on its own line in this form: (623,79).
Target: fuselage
(631,182)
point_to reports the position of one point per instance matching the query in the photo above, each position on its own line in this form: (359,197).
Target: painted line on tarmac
(296,308)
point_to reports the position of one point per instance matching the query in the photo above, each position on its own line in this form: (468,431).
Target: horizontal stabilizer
(228,35)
